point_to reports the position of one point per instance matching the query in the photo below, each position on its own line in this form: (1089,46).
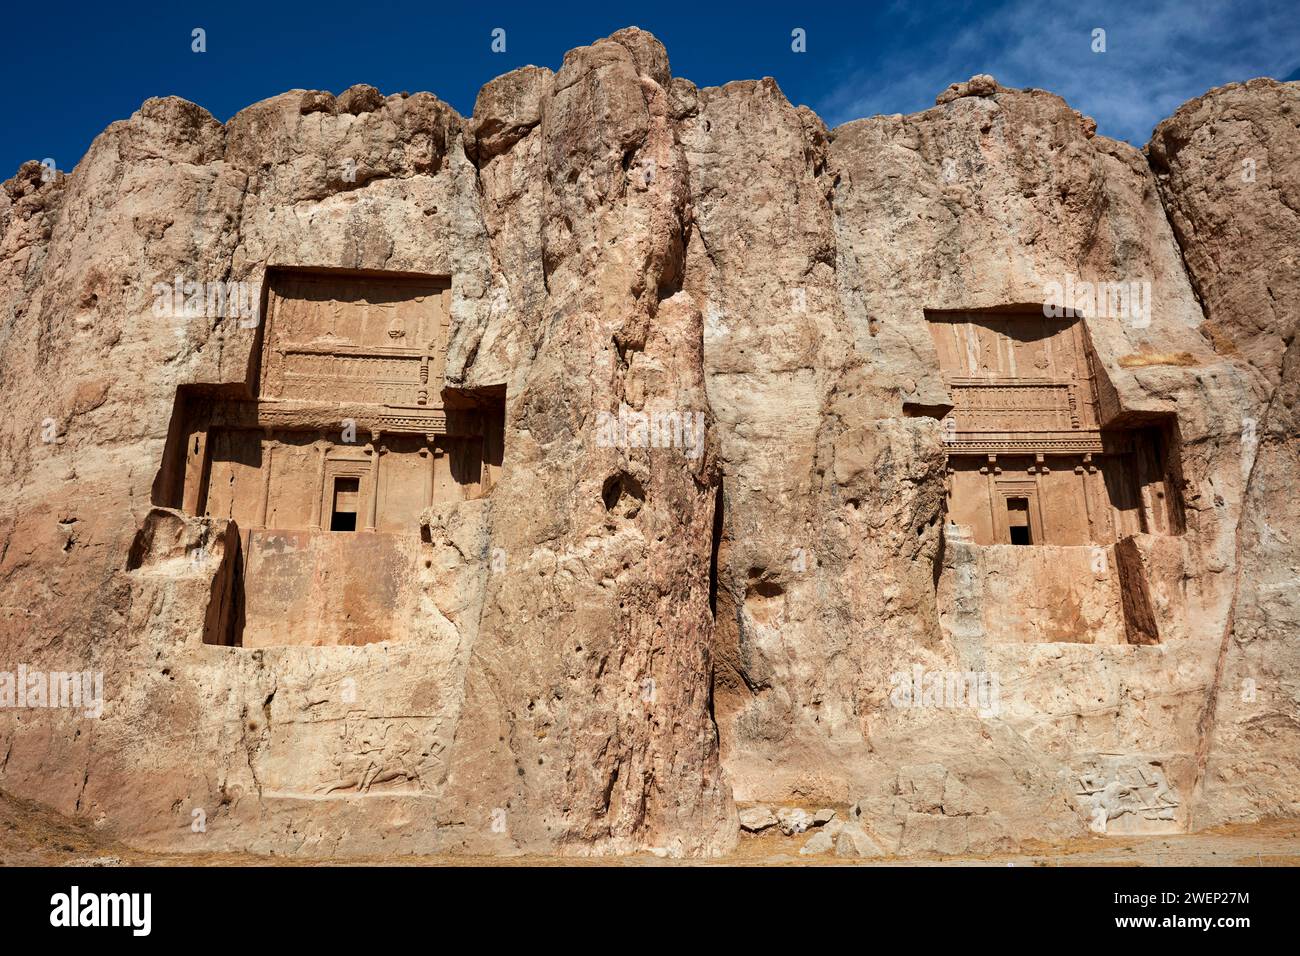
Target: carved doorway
(1018,518)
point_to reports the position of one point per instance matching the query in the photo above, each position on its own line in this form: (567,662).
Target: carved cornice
(329,416)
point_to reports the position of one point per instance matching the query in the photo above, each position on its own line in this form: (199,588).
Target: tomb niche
(1032,459)
(325,458)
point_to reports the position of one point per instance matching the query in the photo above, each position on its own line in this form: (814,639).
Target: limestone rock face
(623,636)
(1226,167)
(1226,164)
(587,717)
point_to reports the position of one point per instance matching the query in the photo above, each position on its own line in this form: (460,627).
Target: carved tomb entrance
(327,460)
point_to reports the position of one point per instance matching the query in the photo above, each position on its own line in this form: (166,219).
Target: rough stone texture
(793,820)
(822,842)
(757,819)
(1053,597)
(1226,167)
(608,548)
(360,99)
(854,841)
(1239,236)
(615,236)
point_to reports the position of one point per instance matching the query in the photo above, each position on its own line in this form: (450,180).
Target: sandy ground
(31,835)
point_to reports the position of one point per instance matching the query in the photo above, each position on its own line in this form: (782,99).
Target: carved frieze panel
(346,337)
(1034,405)
(1019,345)
(1015,372)
(1024,402)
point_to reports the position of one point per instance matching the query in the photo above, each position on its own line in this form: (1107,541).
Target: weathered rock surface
(618,640)
(794,820)
(854,841)
(1227,168)
(757,819)
(1225,163)
(822,842)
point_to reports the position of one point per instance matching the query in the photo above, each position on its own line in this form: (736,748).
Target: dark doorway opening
(1018,520)
(343,516)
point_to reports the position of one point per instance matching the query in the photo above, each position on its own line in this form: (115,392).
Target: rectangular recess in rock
(1025,413)
(345,336)
(341,426)
(1033,461)
(343,516)
(1018,519)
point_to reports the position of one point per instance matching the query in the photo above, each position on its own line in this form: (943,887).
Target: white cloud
(1158,56)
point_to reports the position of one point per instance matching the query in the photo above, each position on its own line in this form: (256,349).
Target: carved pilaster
(268,446)
(426,456)
(376,450)
(322,446)
(995,518)
(1039,468)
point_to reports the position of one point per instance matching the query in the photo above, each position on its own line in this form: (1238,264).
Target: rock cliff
(622,639)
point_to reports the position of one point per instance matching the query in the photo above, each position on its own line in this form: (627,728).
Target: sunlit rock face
(1226,164)
(554,479)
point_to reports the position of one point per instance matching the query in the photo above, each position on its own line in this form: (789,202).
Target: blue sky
(75,67)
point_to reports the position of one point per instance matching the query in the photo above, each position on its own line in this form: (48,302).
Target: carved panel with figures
(1025,412)
(344,337)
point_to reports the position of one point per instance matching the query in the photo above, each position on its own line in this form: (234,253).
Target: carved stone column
(1039,469)
(428,452)
(1142,480)
(376,450)
(439,458)
(1082,469)
(322,447)
(268,444)
(422,393)
(995,520)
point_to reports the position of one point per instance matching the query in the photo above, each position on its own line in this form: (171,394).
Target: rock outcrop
(1227,169)
(620,638)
